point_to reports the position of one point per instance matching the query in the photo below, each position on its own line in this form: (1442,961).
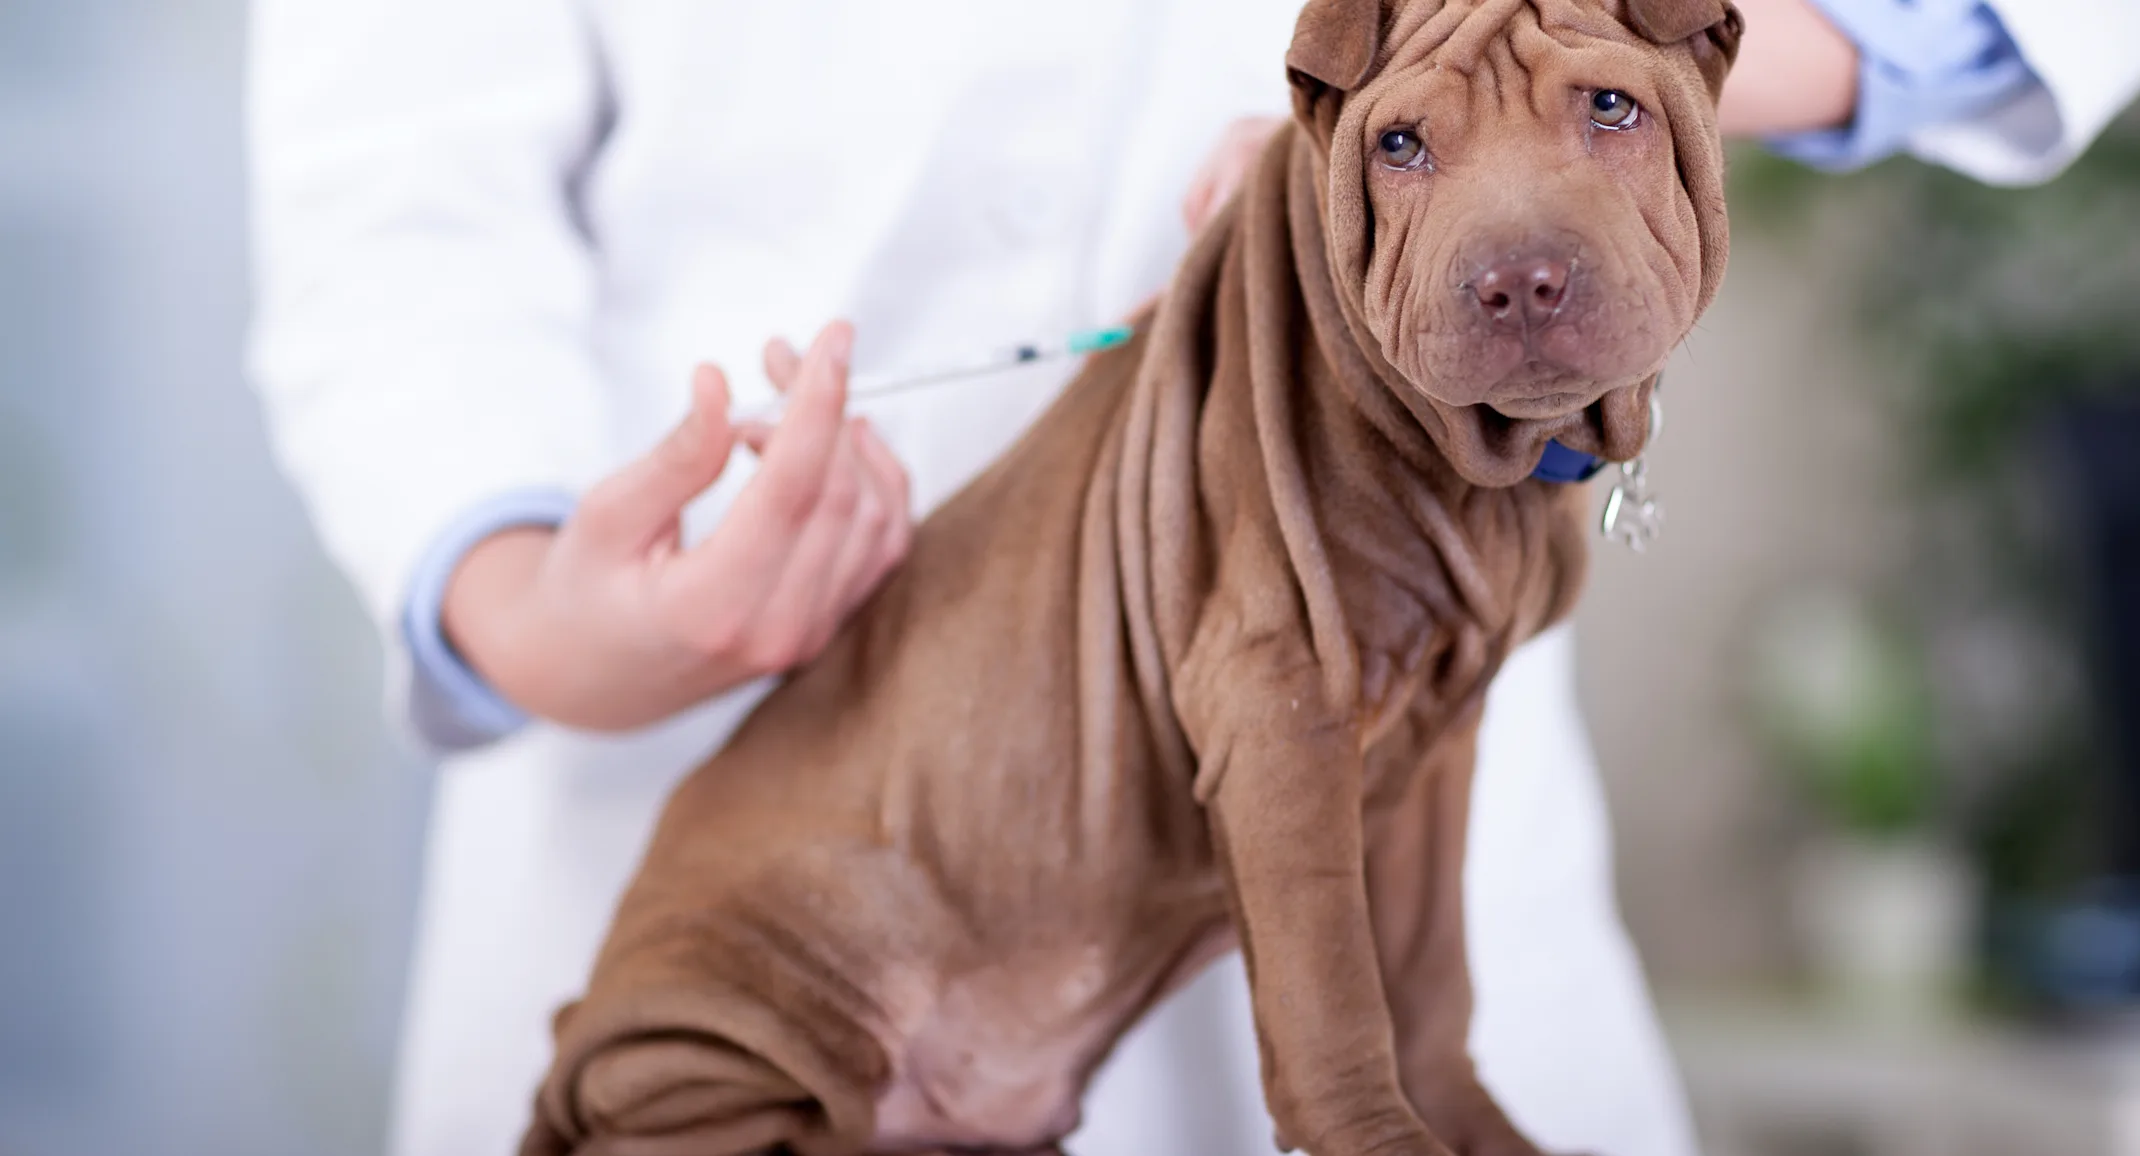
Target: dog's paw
(1395,1132)
(1512,1144)
(1467,1117)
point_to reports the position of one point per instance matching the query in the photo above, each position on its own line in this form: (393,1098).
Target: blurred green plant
(2012,302)
(1996,304)
(1840,698)
(1992,311)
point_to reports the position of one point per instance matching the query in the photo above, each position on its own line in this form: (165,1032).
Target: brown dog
(1199,663)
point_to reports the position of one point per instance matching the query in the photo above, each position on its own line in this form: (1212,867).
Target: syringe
(864,387)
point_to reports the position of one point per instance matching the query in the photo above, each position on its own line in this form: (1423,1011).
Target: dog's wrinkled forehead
(1341,43)
(1459,34)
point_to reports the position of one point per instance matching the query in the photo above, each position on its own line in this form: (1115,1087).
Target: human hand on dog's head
(1524,206)
(1226,168)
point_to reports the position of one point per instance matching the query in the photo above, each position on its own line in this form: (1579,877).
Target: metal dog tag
(1633,516)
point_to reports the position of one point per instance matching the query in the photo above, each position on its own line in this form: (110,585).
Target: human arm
(2005,91)
(424,343)
(421,339)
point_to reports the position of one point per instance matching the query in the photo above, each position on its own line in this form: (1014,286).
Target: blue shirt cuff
(452,708)
(1923,63)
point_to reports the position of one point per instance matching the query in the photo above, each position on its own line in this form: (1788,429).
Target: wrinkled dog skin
(1532,260)
(1198,664)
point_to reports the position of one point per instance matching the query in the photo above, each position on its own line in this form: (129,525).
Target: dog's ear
(1334,49)
(1714,26)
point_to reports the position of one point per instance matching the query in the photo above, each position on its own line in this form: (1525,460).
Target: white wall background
(208,849)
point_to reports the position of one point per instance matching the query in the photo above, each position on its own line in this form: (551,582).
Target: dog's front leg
(1280,773)
(1285,815)
(1415,884)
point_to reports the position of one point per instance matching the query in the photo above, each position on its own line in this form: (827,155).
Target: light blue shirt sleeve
(1923,63)
(451,706)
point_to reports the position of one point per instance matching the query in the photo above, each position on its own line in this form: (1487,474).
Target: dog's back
(941,870)
(946,850)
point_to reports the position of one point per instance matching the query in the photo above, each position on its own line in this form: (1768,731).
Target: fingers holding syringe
(818,527)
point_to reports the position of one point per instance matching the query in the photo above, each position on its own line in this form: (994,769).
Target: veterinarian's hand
(609,623)
(1799,74)
(1226,168)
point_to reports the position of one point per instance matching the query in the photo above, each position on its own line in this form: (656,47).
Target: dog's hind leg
(739,1009)
(656,1078)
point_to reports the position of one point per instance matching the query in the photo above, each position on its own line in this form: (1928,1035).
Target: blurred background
(208,845)
(1868,713)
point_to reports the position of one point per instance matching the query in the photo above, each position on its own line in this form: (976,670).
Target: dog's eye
(1402,149)
(1614,110)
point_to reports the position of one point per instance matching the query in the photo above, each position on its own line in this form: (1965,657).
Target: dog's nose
(1524,292)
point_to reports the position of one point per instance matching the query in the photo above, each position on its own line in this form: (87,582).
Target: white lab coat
(2087,53)
(495,235)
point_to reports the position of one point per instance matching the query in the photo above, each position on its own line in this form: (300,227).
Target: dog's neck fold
(1400,533)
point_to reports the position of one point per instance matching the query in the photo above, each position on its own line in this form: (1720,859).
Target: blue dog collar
(1564,466)
(1567,467)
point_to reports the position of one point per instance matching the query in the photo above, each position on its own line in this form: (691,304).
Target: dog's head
(1524,205)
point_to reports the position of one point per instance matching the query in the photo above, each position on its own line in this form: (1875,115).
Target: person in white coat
(495,241)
